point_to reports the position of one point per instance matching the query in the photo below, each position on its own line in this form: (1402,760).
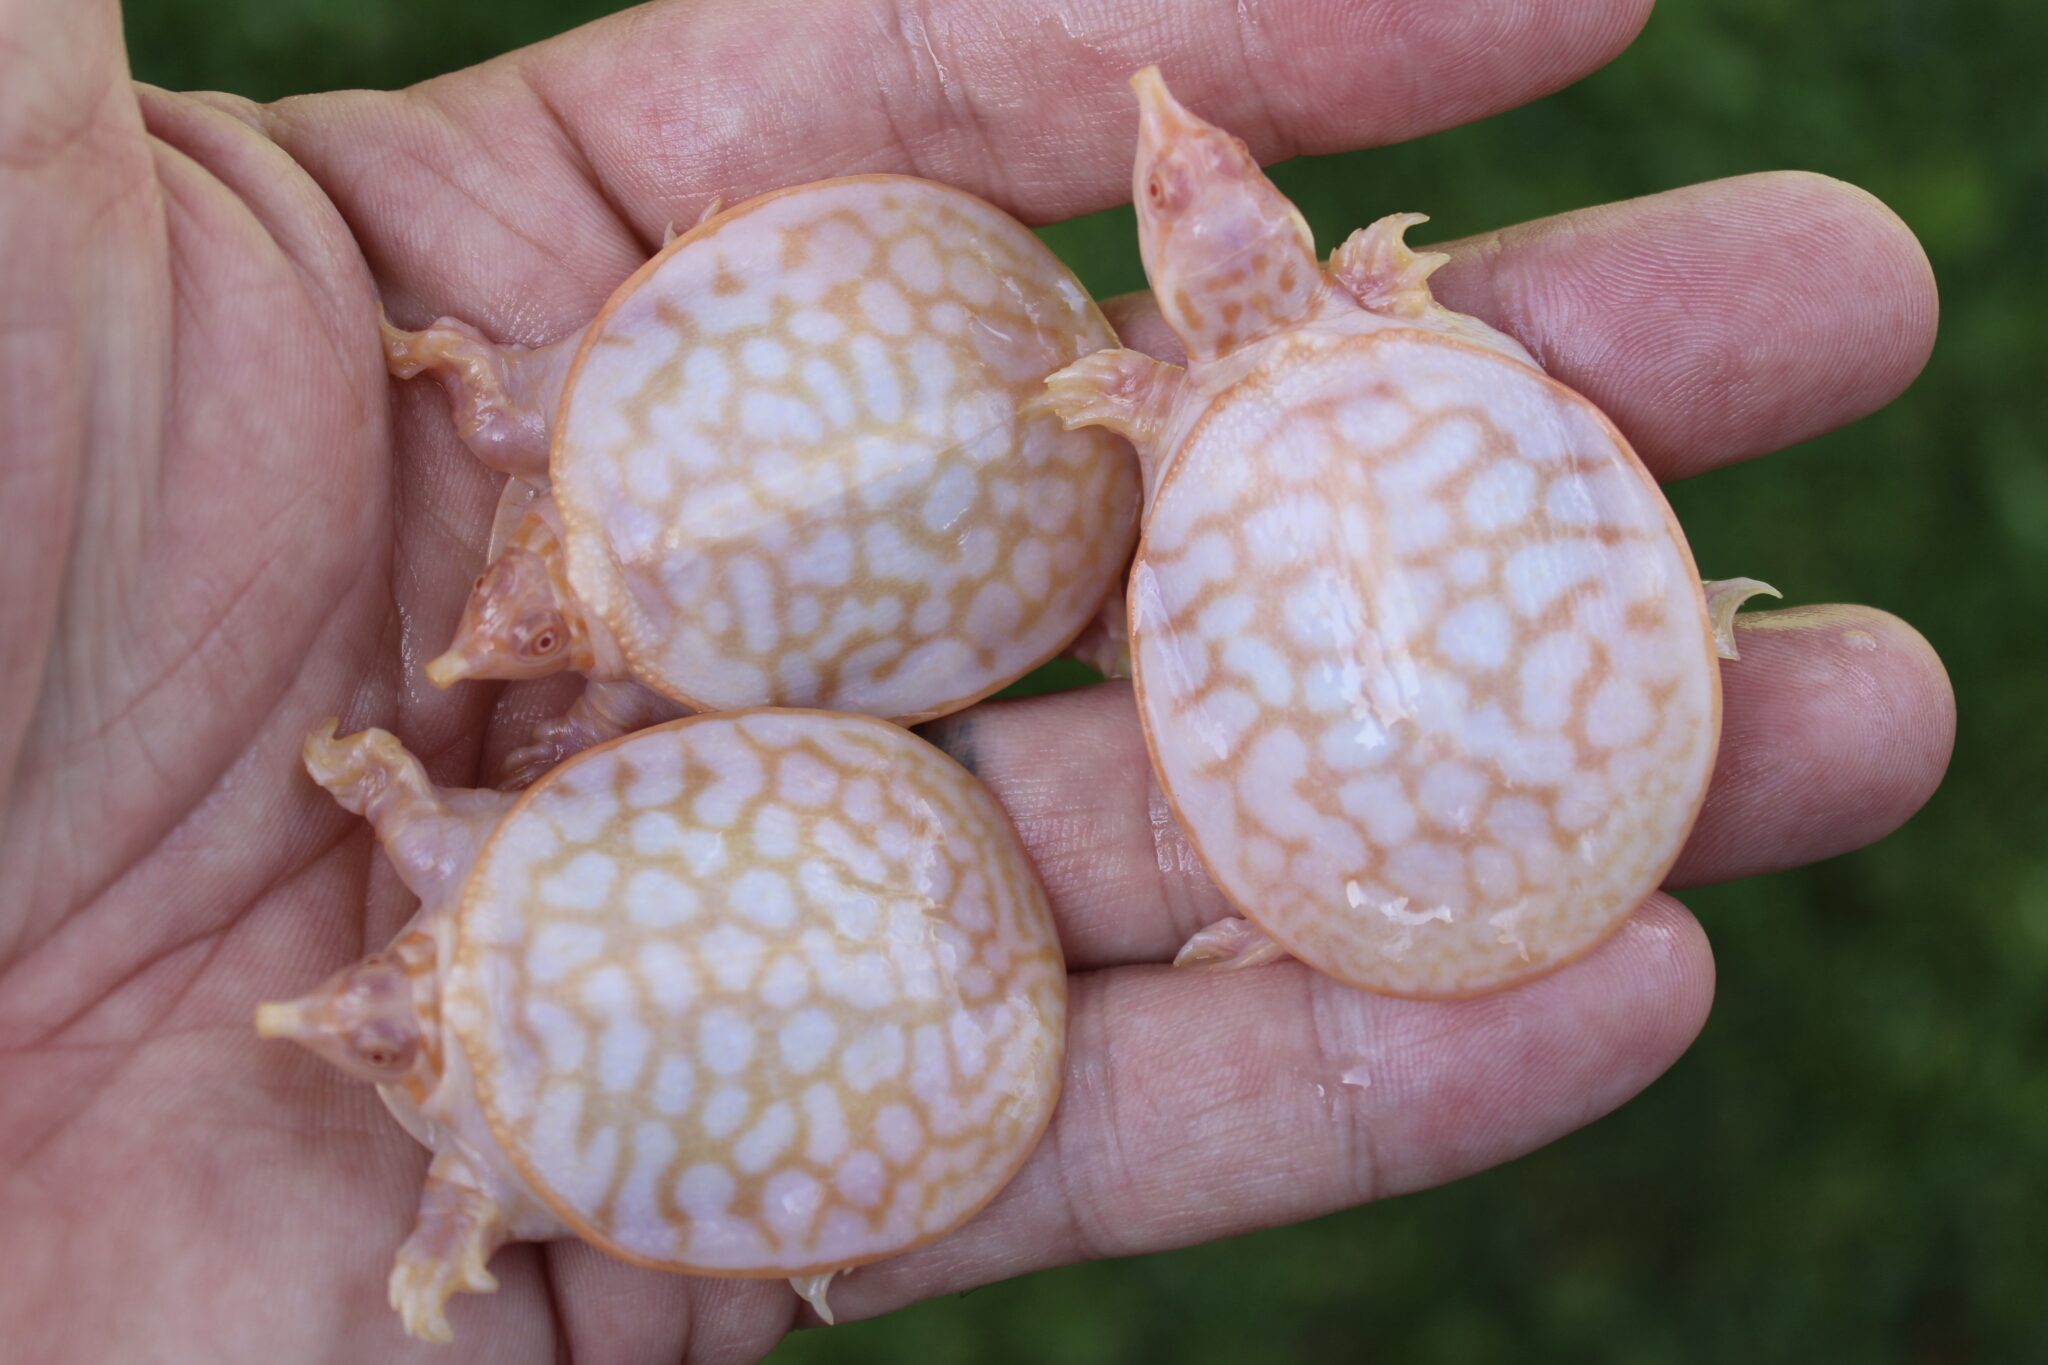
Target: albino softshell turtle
(765,993)
(1423,662)
(788,465)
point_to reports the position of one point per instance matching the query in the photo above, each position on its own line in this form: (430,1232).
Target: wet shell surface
(792,469)
(1424,661)
(762,993)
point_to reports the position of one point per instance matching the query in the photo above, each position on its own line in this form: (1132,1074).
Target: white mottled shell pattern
(1430,678)
(760,993)
(793,470)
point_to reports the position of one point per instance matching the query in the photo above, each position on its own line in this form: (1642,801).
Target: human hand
(221,525)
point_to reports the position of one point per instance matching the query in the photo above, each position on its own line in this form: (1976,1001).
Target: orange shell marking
(762,993)
(792,468)
(1423,662)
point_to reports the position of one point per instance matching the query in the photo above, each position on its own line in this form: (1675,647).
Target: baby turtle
(764,993)
(1422,659)
(788,464)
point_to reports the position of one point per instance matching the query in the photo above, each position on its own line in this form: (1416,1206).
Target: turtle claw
(458,1229)
(1725,597)
(1126,391)
(362,768)
(420,1293)
(1229,945)
(811,1289)
(1383,272)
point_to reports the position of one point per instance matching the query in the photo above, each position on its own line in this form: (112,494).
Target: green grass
(1853,1163)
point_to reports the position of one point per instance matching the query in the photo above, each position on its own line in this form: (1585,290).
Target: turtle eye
(1155,190)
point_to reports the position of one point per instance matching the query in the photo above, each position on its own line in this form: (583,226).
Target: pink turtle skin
(1424,665)
(792,462)
(764,993)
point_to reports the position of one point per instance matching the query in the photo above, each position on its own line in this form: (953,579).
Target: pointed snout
(291,1019)
(452,667)
(1160,115)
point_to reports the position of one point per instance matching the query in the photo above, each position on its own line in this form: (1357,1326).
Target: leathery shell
(759,993)
(1422,660)
(792,468)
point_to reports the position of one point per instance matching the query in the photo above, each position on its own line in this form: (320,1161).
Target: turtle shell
(793,470)
(1423,661)
(759,993)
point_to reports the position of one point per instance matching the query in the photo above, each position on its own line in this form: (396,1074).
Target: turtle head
(1230,259)
(516,623)
(363,1019)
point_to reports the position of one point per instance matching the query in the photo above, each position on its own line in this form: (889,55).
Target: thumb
(76,189)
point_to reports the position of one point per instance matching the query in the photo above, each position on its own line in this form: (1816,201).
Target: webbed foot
(1378,268)
(503,397)
(430,834)
(1383,272)
(458,1229)
(604,710)
(1124,390)
(366,771)
(548,744)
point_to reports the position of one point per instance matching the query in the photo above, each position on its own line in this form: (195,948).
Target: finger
(72,161)
(1202,1105)
(644,116)
(1712,323)
(1836,727)
(1717,322)
(612,1313)
(1032,110)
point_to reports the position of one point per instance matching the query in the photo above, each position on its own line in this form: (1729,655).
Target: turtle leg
(1124,390)
(458,1229)
(504,397)
(1228,945)
(430,833)
(1379,269)
(606,709)
(1131,394)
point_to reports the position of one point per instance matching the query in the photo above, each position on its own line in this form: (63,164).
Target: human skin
(219,521)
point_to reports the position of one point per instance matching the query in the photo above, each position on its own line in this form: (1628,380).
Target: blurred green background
(1853,1162)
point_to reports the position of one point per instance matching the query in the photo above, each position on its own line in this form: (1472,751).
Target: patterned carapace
(1421,655)
(791,463)
(769,993)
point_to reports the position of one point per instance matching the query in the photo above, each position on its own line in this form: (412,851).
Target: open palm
(219,521)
